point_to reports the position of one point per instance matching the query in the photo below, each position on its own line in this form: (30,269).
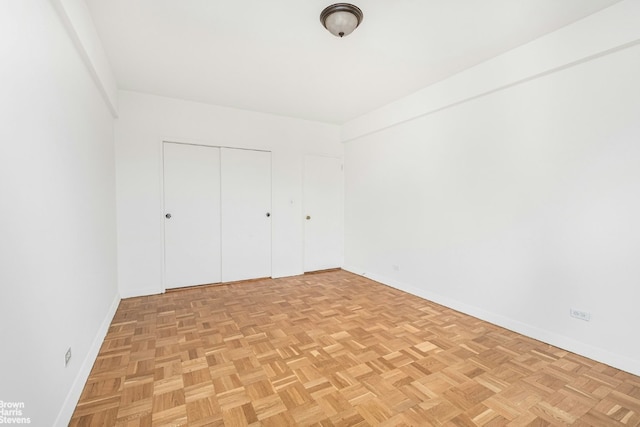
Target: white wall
(75,16)
(514,206)
(595,35)
(145,121)
(57,201)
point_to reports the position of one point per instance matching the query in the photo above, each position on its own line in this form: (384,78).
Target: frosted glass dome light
(341,18)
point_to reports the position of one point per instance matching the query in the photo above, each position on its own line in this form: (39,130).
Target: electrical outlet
(582,315)
(67,357)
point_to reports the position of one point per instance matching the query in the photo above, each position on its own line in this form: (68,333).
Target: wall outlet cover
(579,314)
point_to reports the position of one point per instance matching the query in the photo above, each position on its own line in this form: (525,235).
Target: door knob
(168,216)
(308,217)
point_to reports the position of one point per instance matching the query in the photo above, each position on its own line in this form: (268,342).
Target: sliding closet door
(246,214)
(192,215)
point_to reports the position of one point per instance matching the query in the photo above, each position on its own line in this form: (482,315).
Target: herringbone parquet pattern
(336,349)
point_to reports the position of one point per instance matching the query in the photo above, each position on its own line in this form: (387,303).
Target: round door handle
(308,217)
(268,214)
(168,216)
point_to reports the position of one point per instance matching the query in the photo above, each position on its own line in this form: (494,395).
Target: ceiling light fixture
(341,18)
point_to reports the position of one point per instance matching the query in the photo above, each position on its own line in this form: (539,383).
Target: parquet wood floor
(336,349)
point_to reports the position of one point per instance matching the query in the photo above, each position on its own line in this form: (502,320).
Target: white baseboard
(70,402)
(566,343)
(143,292)
(282,274)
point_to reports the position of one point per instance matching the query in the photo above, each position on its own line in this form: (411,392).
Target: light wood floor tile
(335,349)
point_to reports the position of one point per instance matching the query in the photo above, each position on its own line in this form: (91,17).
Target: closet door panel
(246,214)
(192,215)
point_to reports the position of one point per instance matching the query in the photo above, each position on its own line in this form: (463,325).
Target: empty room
(305,213)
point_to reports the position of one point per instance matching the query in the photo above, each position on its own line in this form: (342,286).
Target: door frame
(161,212)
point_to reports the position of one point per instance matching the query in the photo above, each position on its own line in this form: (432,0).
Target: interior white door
(192,215)
(323,207)
(246,214)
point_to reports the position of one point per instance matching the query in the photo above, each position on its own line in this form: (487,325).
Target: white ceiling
(274,56)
